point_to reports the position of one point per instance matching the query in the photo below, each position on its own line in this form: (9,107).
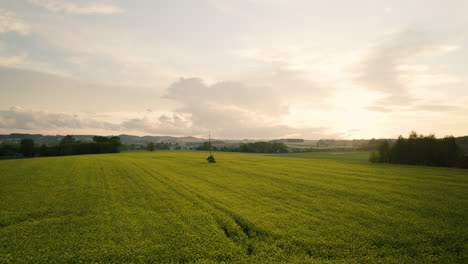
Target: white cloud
(23,62)
(224,123)
(115,55)
(234,110)
(389,66)
(194,91)
(78,60)
(90,7)
(228,109)
(9,22)
(163,125)
(311,64)
(20,118)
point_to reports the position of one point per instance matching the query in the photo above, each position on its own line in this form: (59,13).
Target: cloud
(387,66)
(9,22)
(233,110)
(228,94)
(102,52)
(227,109)
(23,62)
(164,125)
(33,121)
(223,123)
(396,100)
(39,90)
(91,7)
(230,109)
(303,62)
(425,107)
(20,118)
(435,107)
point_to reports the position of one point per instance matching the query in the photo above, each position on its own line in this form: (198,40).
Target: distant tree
(321,142)
(67,146)
(107,144)
(68,139)
(420,150)
(100,139)
(263,147)
(373,144)
(43,150)
(206,146)
(295,140)
(150,146)
(399,152)
(27,147)
(9,150)
(450,151)
(163,146)
(384,152)
(115,143)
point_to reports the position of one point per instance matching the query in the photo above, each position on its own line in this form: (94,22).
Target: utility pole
(210,159)
(209,140)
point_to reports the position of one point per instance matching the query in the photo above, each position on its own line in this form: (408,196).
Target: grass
(352,156)
(174,207)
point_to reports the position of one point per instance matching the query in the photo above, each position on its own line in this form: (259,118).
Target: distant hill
(126,139)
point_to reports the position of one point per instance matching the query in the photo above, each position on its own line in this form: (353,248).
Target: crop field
(174,207)
(349,156)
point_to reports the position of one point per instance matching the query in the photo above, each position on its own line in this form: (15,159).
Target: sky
(257,69)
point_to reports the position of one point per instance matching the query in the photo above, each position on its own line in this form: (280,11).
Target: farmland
(175,207)
(348,156)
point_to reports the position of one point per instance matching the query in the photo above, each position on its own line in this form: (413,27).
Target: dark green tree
(9,149)
(384,152)
(206,146)
(374,157)
(68,139)
(100,139)
(150,146)
(421,150)
(27,147)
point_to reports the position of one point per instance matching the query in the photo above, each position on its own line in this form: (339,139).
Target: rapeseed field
(174,207)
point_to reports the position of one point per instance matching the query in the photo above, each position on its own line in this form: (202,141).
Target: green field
(355,157)
(175,207)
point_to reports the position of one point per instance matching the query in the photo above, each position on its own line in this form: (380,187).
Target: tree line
(421,150)
(67,146)
(151,146)
(254,147)
(263,147)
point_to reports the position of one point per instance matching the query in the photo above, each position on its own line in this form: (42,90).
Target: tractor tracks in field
(241,231)
(251,238)
(234,227)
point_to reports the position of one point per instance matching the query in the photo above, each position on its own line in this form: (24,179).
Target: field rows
(175,207)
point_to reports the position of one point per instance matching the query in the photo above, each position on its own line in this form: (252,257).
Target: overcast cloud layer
(241,69)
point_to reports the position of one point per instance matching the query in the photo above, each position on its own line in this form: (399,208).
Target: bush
(211,159)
